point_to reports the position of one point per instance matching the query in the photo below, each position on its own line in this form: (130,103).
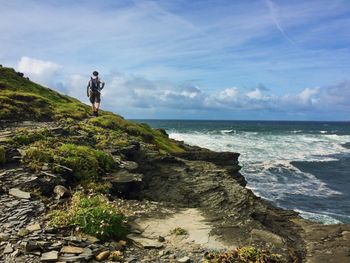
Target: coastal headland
(75,188)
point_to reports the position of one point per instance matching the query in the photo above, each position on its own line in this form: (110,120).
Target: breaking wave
(267,159)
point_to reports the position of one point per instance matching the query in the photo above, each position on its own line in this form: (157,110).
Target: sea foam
(266,159)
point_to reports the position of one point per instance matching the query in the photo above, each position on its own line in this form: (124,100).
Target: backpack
(94,85)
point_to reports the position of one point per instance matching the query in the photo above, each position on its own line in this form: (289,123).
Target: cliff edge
(76,188)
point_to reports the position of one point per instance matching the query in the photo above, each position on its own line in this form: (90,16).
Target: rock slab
(51,256)
(19,193)
(145,242)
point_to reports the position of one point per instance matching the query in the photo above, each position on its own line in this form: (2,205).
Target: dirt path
(197,230)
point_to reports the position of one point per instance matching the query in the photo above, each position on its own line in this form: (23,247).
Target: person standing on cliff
(93,91)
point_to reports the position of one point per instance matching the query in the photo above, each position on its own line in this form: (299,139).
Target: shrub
(92,215)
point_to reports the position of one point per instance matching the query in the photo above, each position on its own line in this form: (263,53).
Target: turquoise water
(304,166)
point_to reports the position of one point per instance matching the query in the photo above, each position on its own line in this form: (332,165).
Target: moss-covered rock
(24,136)
(86,163)
(36,157)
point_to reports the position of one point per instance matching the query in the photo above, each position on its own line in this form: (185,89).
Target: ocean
(304,166)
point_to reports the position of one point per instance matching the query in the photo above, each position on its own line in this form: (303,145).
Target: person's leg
(97,103)
(92,100)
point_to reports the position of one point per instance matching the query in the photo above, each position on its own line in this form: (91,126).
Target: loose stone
(72,250)
(184,260)
(23,232)
(8,249)
(18,193)
(34,227)
(103,255)
(51,256)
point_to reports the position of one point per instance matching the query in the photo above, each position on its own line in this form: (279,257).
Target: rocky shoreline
(149,187)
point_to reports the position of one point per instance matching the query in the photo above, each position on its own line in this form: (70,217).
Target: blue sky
(200,59)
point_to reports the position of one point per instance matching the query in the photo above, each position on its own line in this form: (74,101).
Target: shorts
(95,97)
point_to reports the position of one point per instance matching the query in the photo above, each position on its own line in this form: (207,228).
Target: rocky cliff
(76,188)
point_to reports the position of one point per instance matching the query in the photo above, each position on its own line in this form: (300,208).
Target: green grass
(36,157)
(21,99)
(24,136)
(247,254)
(92,215)
(87,163)
(141,131)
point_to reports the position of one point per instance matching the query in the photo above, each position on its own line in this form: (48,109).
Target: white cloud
(75,86)
(255,94)
(131,93)
(307,96)
(41,71)
(306,99)
(229,93)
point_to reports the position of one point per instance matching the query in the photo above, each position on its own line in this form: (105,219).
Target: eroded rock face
(211,182)
(198,178)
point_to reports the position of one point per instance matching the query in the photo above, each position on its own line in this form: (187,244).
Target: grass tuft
(178,231)
(92,215)
(87,163)
(247,254)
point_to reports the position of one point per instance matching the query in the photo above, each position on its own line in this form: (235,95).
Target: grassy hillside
(22,99)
